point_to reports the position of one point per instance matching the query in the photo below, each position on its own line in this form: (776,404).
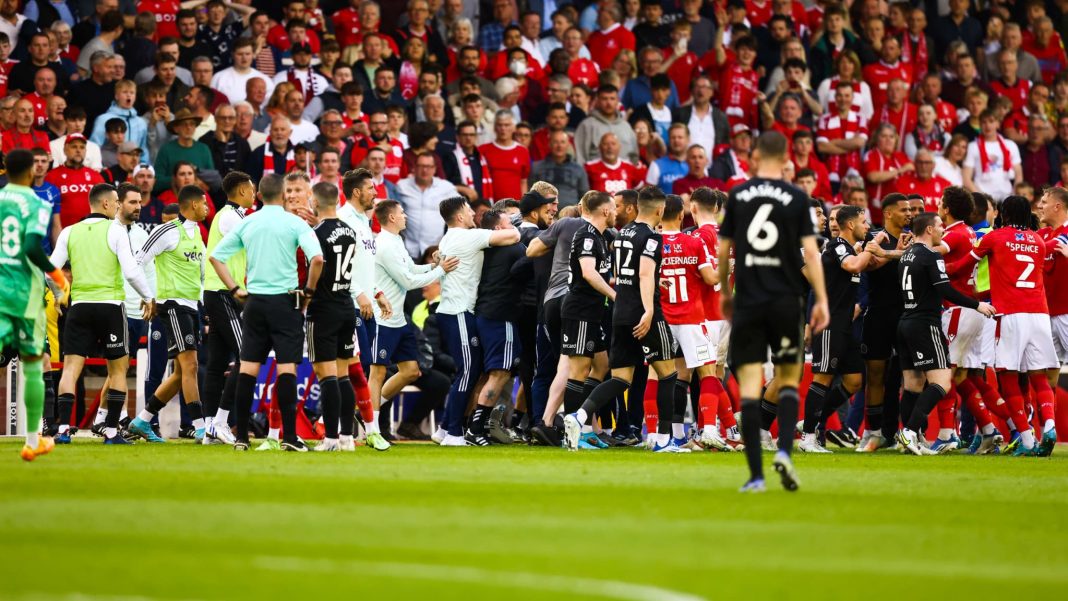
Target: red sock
(991,397)
(726,408)
(947,409)
(1010,389)
(274,415)
(363,392)
(1043,394)
(708,401)
(652,416)
(974,402)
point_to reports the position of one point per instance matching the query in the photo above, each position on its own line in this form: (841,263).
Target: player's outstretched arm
(504,237)
(538,248)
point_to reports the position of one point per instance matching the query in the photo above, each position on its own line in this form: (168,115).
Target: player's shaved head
(650,198)
(100,194)
(271,187)
(188,195)
(325,195)
(19,164)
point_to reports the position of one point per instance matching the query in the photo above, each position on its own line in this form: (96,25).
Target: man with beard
(379,138)
(74,181)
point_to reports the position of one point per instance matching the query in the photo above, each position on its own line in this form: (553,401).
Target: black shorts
(921,345)
(272,321)
(224,319)
(628,351)
(778,325)
(836,351)
(182,326)
(581,338)
(880,334)
(96,330)
(331,339)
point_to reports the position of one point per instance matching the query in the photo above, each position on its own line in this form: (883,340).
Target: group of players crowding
(645,293)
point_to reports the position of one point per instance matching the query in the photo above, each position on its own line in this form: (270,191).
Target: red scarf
(984,160)
(885,118)
(268,159)
(931,141)
(291,77)
(919,68)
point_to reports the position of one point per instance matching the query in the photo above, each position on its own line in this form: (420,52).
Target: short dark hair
(233,180)
(126,188)
(660,81)
(272,186)
(114,125)
(188,194)
(893,198)
(921,222)
(19,161)
(708,199)
(593,200)
(672,207)
(354,179)
(97,193)
(1016,212)
(491,218)
(607,89)
(451,206)
(958,202)
(171,209)
(982,202)
(111,21)
(384,209)
(352,88)
(772,145)
(325,194)
(649,197)
(805,173)
(848,213)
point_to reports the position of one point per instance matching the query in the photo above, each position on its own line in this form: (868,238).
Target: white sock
(587,429)
(945,433)
(809,438)
(678,430)
(1027,438)
(31,439)
(326,439)
(1049,425)
(145,415)
(373,426)
(111,432)
(198,423)
(765,433)
(581,415)
(708,429)
(101,415)
(63,428)
(274,433)
(221,417)
(122,414)
(345,438)
(662,439)
(988,429)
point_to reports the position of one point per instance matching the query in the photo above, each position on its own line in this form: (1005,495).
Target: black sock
(588,385)
(665,403)
(243,390)
(927,400)
(605,393)
(908,405)
(789,401)
(486,411)
(836,397)
(50,397)
(195,409)
(768,412)
(682,394)
(214,382)
(347,409)
(573,396)
(475,425)
(116,400)
(817,393)
(286,387)
(607,413)
(751,437)
(229,390)
(65,404)
(331,396)
(154,405)
(874,415)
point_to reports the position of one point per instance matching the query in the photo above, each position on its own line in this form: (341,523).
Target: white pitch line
(440,573)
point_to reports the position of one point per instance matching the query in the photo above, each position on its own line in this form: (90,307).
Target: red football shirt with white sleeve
(1017,262)
(166,12)
(878,76)
(833,126)
(1056,276)
(74,186)
(738,88)
(758,15)
(612,178)
(584,71)
(708,234)
(604,44)
(346,26)
(508,166)
(960,238)
(681,297)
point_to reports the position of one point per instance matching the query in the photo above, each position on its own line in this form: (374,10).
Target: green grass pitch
(177,521)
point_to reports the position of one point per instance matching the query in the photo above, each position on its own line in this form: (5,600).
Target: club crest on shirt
(587,244)
(650,245)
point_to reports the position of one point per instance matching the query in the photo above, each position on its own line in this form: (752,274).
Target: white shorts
(990,327)
(722,338)
(1025,342)
(697,344)
(1059,324)
(964,331)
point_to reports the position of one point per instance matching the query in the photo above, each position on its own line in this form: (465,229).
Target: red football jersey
(584,71)
(738,88)
(1017,92)
(346,26)
(12,139)
(612,178)
(758,15)
(604,45)
(166,12)
(1056,276)
(74,186)
(833,126)
(903,120)
(876,161)
(931,190)
(947,115)
(709,235)
(1017,263)
(878,76)
(1051,59)
(960,238)
(682,73)
(681,296)
(508,167)
(40,109)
